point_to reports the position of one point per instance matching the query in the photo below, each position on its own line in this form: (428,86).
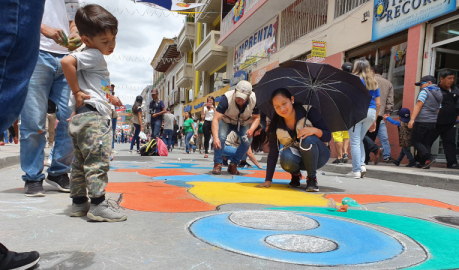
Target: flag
(173,5)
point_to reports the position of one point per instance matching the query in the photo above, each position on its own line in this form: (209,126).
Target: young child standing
(90,124)
(404,136)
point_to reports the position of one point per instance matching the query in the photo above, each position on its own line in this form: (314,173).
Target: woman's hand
(266,184)
(373,127)
(141,129)
(306,132)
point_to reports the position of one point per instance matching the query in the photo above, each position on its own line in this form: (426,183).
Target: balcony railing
(227,22)
(184,77)
(186,37)
(344,6)
(209,55)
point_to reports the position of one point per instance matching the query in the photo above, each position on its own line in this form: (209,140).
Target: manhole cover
(301,243)
(273,220)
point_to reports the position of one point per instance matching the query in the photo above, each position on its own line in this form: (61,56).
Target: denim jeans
(311,160)
(155,129)
(223,131)
(187,141)
(114,131)
(384,138)
(167,138)
(356,135)
(47,82)
(230,151)
(20,22)
(136,137)
(406,151)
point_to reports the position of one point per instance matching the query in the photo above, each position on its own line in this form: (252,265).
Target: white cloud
(138,37)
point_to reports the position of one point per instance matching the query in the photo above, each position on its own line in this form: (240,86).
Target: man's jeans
(114,130)
(230,151)
(20,22)
(384,138)
(311,160)
(47,81)
(168,141)
(155,129)
(223,131)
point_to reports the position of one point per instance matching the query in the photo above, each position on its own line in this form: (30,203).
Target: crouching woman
(303,145)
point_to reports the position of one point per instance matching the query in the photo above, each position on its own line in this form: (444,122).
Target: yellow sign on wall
(319,49)
(196,106)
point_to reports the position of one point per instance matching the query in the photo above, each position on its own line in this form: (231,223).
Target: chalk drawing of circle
(301,243)
(359,245)
(277,221)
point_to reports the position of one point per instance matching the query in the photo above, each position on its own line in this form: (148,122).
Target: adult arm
(378,107)
(252,157)
(389,101)
(56,34)
(139,114)
(254,126)
(202,111)
(416,111)
(272,162)
(319,128)
(194,130)
(215,126)
(74,37)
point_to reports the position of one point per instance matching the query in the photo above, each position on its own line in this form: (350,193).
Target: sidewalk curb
(424,179)
(9,161)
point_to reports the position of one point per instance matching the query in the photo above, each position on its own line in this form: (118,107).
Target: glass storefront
(393,59)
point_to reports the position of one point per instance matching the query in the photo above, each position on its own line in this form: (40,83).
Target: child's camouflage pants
(92,141)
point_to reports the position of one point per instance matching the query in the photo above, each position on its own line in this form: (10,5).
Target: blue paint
(124,166)
(357,244)
(192,166)
(211,178)
(178,184)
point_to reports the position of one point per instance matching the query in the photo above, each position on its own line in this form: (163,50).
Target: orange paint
(158,197)
(156,172)
(277,175)
(366,199)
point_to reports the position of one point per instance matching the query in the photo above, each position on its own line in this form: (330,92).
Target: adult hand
(74,41)
(56,34)
(410,124)
(217,144)
(141,129)
(373,127)
(260,167)
(385,116)
(249,133)
(306,132)
(153,115)
(266,184)
(72,115)
(80,96)
(116,101)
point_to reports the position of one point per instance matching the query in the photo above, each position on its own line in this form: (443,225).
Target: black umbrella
(340,97)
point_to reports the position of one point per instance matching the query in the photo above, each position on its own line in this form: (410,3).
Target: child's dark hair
(92,20)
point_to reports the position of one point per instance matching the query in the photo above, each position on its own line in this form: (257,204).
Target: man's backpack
(150,149)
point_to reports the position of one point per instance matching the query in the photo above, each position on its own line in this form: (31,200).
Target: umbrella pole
(306,119)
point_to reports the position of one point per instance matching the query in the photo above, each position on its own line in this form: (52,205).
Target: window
(301,18)
(344,6)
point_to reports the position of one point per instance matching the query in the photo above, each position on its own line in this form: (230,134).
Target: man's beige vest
(231,115)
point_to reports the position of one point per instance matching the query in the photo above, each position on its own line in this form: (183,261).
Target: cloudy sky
(138,37)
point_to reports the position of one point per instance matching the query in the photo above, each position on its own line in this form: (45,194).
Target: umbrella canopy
(340,97)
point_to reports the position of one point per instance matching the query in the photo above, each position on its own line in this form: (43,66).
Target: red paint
(158,197)
(367,199)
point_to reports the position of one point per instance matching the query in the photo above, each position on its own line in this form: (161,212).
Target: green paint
(442,242)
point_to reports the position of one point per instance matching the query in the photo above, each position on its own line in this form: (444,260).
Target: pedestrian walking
(157,109)
(357,133)
(239,113)
(208,112)
(424,119)
(404,136)
(176,134)
(48,82)
(189,131)
(287,127)
(168,131)
(447,117)
(200,139)
(136,119)
(51,123)
(89,78)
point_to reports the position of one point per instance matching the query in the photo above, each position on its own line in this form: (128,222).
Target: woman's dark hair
(92,20)
(189,115)
(277,118)
(258,141)
(213,100)
(137,105)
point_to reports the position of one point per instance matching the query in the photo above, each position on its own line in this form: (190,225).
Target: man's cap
(243,89)
(154,92)
(347,67)
(425,79)
(404,114)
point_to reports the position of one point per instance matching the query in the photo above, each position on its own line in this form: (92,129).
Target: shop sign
(257,46)
(195,106)
(238,76)
(392,16)
(258,74)
(319,49)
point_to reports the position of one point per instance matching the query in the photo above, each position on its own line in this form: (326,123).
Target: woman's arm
(378,106)
(139,114)
(253,158)
(272,162)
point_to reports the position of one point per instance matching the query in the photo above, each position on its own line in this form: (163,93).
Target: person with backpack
(136,117)
(189,130)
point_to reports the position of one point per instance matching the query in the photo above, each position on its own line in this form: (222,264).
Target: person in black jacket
(447,117)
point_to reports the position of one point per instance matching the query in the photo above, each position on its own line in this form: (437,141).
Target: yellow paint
(190,57)
(217,193)
(217,69)
(198,42)
(217,21)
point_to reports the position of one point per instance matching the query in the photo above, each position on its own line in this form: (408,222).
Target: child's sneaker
(106,211)
(80,210)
